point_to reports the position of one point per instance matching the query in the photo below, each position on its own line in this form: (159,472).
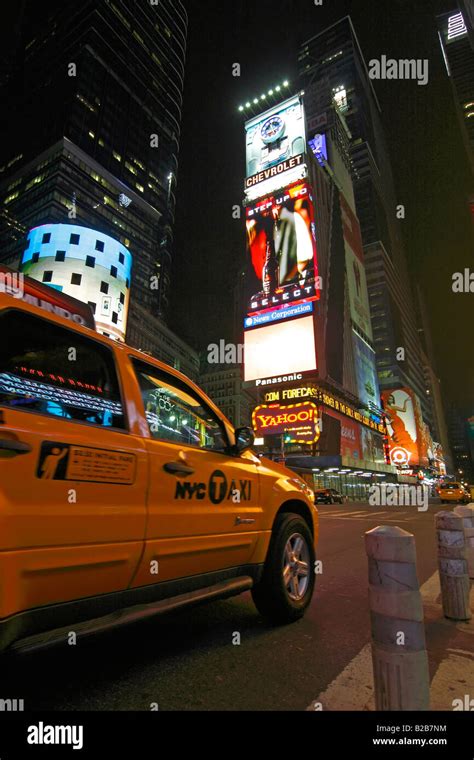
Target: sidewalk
(450,648)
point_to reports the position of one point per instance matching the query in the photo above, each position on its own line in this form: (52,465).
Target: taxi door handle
(18,447)
(178,468)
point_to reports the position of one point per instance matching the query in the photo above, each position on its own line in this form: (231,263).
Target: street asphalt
(188,660)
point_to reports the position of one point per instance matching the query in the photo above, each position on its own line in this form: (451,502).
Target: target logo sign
(400,457)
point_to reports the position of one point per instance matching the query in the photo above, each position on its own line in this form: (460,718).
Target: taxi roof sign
(28,290)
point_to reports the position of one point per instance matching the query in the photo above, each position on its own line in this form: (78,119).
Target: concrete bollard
(467,515)
(452,564)
(400,660)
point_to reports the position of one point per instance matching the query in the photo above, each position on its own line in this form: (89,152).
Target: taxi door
(204,511)
(72,480)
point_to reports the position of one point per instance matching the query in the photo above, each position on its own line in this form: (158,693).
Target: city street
(187,660)
(236,373)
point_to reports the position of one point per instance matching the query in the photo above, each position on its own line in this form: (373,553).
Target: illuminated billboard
(276,148)
(405,428)
(282,349)
(366,372)
(30,291)
(355,270)
(86,264)
(372,447)
(454,27)
(298,422)
(350,437)
(281,240)
(320,149)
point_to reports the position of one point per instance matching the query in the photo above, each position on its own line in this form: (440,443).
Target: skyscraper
(456,35)
(94,132)
(332,69)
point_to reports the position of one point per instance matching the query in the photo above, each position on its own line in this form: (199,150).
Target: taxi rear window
(48,369)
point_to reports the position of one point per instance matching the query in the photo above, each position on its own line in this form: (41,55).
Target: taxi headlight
(309,493)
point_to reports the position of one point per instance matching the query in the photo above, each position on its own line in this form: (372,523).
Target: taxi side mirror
(244,440)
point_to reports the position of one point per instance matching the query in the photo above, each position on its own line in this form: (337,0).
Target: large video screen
(281,238)
(355,269)
(366,373)
(280,349)
(276,148)
(86,264)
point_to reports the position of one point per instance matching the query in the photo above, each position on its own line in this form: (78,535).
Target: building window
(74,240)
(47,276)
(104,288)
(60,256)
(122,298)
(46,238)
(35,258)
(114,317)
(99,246)
(121,258)
(42,378)
(90,261)
(76,279)
(113,271)
(93,306)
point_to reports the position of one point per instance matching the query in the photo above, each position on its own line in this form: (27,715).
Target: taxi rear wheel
(287,583)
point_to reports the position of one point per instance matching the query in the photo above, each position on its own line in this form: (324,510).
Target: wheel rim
(296,567)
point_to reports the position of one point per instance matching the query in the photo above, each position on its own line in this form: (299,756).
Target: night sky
(432,176)
(431,171)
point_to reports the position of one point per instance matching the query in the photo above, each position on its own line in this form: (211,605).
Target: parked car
(125,492)
(453,493)
(328,496)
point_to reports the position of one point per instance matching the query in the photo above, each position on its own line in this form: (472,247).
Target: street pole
(400,660)
(453,566)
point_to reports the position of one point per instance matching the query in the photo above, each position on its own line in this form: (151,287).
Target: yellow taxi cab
(454,493)
(124,492)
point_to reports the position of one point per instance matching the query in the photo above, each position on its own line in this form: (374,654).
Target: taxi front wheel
(286,588)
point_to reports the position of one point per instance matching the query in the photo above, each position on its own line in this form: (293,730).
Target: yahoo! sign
(299,421)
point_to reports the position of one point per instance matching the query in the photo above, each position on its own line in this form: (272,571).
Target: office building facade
(333,70)
(456,36)
(95,127)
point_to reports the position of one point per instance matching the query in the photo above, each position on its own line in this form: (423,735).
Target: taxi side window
(176,414)
(48,369)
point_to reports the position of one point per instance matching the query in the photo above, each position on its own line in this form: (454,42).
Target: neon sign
(456,26)
(300,422)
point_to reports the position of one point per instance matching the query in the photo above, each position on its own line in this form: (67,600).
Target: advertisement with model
(282,267)
(405,428)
